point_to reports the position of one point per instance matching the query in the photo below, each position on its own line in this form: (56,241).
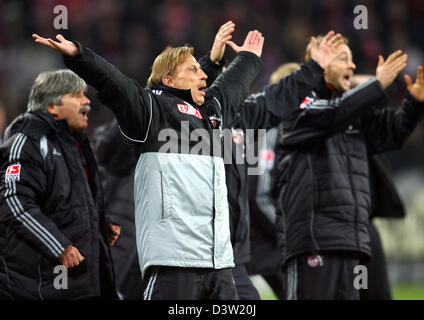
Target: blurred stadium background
(131,33)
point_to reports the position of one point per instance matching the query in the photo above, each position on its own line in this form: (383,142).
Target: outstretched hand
(253,43)
(64,46)
(416,89)
(388,70)
(223,35)
(325,52)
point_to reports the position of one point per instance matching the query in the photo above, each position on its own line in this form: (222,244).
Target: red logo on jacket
(305,103)
(189,109)
(13,173)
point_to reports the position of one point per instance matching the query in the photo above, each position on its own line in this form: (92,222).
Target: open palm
(64,46)
(253,43)
(416,89)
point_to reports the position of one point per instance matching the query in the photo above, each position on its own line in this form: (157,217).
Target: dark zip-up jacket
(260,111)
(322,167)
(181,209)
(47,204)
(117,161)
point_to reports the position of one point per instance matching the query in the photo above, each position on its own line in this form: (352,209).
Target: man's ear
(168,81)
(52,109)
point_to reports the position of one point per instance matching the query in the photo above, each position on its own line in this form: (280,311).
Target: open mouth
(346,79)
(202,90)
(84,112)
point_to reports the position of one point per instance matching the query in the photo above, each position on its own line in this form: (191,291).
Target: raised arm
(270,107)
(317,118)
(131,104)
(213,62)
(292,90)
(387,128)
(232,86)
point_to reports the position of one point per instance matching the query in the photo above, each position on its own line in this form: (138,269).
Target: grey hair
(49,87)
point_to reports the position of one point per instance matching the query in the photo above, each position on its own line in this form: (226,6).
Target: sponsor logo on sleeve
(13,173)
(306,103)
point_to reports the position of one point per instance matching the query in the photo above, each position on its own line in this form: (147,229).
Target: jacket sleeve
(387,128)
(131,104)
(23,184)
(321,118)
(268,108)
(232,86)
(287,94)
(211,69)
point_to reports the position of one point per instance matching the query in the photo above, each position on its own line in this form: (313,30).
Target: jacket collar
(38,123)
(182,94)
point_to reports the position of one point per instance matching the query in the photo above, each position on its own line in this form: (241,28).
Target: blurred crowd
(131,33)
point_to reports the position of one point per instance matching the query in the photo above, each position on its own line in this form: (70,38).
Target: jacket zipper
(356,204)
(211,134)
(315,188)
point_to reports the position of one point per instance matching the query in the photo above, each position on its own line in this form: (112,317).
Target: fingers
(399,63)
(73,260)
(380,61)
(338,40)
(226,25)
(114,233)
(71,257)
(335,40)
(253,38)
(314,42)
(408,81)
(112,239)
(394,56)
(226,29)
(53,44)
(420,78)
(233,46)
(248,39)
(328,36)
(60,38)
(43,41)
(261,42)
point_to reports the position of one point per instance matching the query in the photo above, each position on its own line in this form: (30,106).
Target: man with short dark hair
(51,210)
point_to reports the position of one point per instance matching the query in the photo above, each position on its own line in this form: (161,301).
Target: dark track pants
(245,288)
(173,283)
(321,277)
(378,278)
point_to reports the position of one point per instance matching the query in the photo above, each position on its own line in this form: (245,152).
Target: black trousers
(277,284)
(378,279)
(321,277)
(245,288)
(174,283)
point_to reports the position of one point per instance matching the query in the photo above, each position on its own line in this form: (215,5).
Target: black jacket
(143,112)
(385,199)
(262,110)
(47,204)
(322,167)
(265,252)
(117,163)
